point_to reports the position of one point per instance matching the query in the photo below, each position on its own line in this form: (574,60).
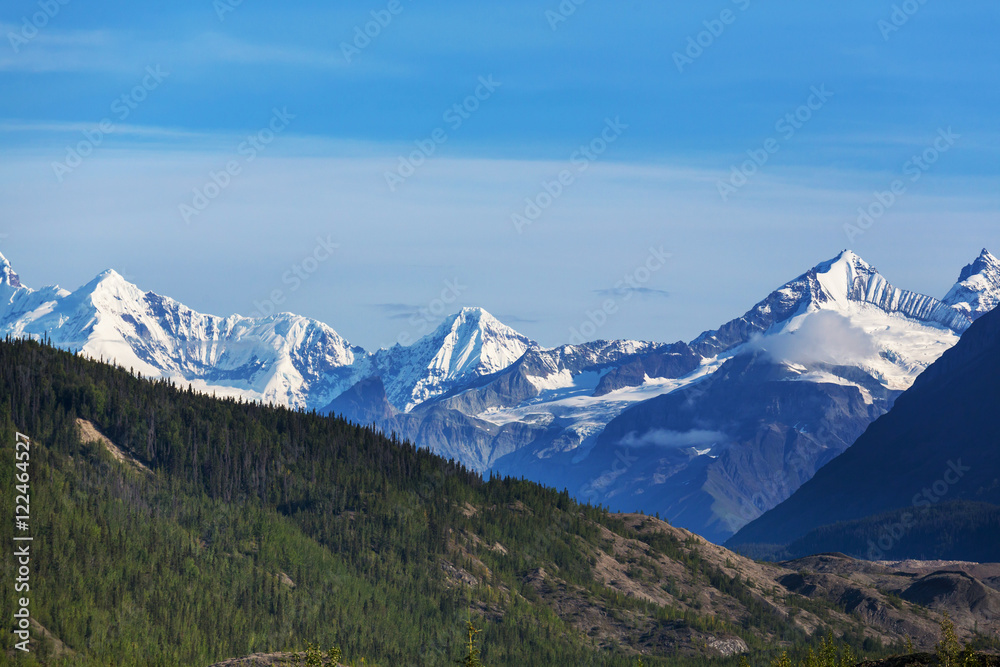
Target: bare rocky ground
(824,593)
(89,433)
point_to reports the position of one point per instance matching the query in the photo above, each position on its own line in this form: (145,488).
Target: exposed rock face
(728,646)
(364,403)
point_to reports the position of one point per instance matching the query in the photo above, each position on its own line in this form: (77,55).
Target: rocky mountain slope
(721,429)
(937,445)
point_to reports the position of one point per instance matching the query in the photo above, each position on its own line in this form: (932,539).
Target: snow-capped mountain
(284,359)
(466,346)
(775,393)
(947,416)
(845,284)
(711,432)
(978,289)
(793,383)
(845,311)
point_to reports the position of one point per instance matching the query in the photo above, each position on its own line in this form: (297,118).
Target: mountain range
(709,433)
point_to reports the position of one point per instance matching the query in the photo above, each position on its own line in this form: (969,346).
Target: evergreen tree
(948,648)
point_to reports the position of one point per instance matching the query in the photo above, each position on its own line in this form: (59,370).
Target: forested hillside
(203,529)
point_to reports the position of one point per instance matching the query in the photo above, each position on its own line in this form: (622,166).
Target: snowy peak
(7,275)
(842,276)
(474,317)
(110,276)
(110,285)
(847,258)
(829,285)
(285,359)
(845,284)
(985,264)
(977,291)
(10,285)
(469,344)
(304,363)
(475,340)
(848,279)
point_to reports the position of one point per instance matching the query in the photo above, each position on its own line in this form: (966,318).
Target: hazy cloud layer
(628,291)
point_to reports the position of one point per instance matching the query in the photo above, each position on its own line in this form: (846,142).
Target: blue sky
(302,133)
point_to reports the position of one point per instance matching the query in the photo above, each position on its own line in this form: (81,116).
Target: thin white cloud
(222,47)
(627,291)
(14,126)
(55,50)
(54,36)
(51,49)
(674,439)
